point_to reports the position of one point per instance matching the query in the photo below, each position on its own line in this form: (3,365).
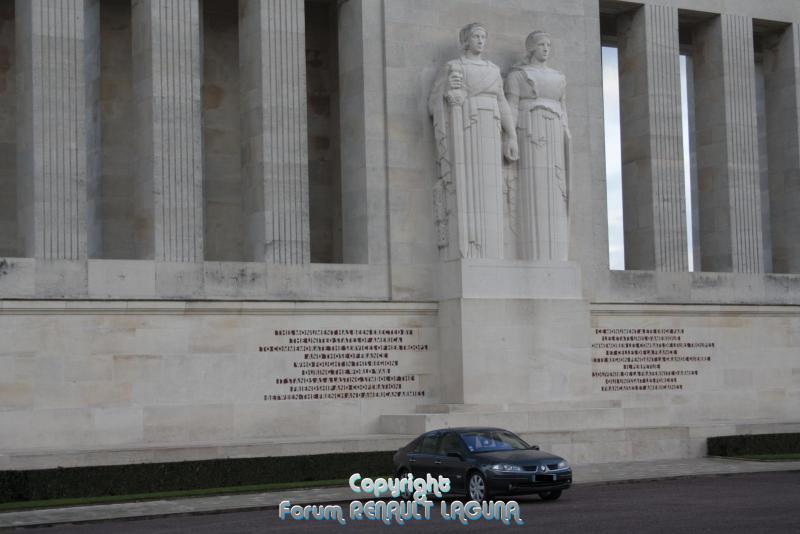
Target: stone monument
(304,246)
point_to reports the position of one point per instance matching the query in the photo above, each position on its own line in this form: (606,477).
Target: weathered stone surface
(782,100)
(727,146)
(652,148)
(274,136)
(56,58)
(167,66)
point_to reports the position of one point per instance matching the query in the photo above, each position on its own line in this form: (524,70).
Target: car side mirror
(456,455)
(534,447)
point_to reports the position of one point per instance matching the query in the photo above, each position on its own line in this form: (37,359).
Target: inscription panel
(648,359)
(346,363)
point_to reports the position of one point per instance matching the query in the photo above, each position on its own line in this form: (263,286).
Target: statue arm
(512,96)
(508,123)
(437,91)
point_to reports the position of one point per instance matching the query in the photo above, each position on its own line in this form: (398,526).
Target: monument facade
(271,227)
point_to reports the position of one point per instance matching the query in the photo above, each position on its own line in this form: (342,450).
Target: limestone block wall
(751,374)
(164,374)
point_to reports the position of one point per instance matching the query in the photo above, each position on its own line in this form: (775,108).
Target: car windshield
(493,440)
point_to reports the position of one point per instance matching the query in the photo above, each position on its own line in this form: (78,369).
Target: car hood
(517,457)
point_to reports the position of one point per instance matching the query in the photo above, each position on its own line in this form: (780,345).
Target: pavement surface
(591,480)
(743,503)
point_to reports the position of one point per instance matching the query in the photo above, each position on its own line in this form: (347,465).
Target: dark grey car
(485,462)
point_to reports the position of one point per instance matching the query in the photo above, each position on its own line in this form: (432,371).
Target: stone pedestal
(505,328)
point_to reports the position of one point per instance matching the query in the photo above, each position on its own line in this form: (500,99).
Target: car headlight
(505,468)
(563,464)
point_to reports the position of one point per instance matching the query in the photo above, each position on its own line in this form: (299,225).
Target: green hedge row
(98,481)
(754,444)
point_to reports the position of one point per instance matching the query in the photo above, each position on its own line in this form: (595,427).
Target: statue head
(538,46)
(473,37)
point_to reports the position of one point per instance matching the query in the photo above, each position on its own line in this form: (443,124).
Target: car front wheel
(550,495)
(406,494)
(476,487)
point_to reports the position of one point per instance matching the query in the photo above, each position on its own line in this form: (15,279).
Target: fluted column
(56,46)
(727,146)
(652,140)
(782,80)
(274,131)
(167,55)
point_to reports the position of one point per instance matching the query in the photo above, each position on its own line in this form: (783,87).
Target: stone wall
(149,374)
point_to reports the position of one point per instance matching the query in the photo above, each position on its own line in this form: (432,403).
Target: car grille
(551,467)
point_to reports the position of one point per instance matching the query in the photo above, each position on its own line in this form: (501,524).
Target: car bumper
(522,483)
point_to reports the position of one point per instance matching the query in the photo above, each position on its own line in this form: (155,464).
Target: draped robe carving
(537,96)
(469,141)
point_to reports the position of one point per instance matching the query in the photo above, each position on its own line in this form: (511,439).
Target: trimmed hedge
(754,444)
(98,481)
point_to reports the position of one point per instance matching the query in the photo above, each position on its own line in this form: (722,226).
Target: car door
(451,460)
(421,461)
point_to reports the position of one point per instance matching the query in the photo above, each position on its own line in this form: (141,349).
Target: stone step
(459,408)
(170,452)
(417,423)
(524,419)
(564,405)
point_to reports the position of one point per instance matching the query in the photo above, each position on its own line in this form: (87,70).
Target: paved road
(752,503)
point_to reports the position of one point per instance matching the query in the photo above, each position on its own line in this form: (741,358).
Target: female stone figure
(536,95)
(473,127)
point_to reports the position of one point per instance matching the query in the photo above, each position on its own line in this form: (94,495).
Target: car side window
(428,445)
(451,442)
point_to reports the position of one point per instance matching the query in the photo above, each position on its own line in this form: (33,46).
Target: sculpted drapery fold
(473,128)
(536,94)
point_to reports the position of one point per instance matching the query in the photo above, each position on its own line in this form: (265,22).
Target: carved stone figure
(536,95)
(474,128)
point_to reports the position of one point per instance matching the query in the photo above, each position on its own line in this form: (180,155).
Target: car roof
(460,429)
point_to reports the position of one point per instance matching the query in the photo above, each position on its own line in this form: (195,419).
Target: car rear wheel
(476,487)
(550,495)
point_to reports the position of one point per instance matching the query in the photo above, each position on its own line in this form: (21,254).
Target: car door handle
(411,460)
(437,462)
